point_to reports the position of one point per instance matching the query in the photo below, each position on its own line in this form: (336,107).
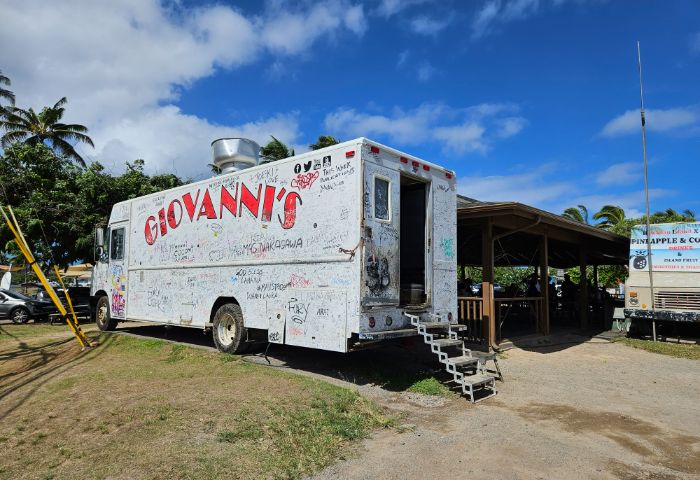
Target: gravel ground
(588,410)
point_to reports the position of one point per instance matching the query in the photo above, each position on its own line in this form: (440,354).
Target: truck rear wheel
(103,319)
(228,330)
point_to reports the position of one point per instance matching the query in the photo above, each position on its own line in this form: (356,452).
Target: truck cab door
(118,261)
(380,267)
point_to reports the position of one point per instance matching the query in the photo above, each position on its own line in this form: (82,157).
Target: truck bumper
(665,315)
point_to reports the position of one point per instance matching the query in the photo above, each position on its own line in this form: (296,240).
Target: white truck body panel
(295,242)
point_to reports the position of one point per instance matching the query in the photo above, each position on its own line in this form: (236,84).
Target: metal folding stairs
(468,369)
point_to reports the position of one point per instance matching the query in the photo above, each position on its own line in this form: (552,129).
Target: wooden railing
(471,314)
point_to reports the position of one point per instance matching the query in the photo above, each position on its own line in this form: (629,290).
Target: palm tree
(670,215)
(29,127)
(275,150)
(578,214)
(609,216)
(324,141)
(6,94)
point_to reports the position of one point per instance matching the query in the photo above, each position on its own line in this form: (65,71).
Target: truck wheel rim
(20,316)
(226,330)
(101,315)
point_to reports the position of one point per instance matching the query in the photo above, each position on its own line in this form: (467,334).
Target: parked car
(20,308)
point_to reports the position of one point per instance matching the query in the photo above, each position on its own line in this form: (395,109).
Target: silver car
(20,308)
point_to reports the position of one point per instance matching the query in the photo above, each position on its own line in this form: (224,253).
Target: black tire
(19,315)
(228,331)
(103,319)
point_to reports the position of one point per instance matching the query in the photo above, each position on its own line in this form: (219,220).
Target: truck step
(477,380)
(447,342)
(430,325)
(463,361)
(477,387)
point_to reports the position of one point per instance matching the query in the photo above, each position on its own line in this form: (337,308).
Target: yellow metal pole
(68,299)
(26,251)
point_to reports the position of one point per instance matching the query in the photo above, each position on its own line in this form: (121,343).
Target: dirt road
(592,410)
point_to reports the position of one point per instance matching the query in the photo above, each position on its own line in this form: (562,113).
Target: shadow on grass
(405,365)
(53,361)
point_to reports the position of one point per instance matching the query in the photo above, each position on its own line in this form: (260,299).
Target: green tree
(4,93)
(41,187)
(578,214)
(275,150)
(45,127)
(58,204)
(323,142)
(609,216)
(670,215)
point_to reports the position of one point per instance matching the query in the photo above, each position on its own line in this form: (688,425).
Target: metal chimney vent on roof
(234,154)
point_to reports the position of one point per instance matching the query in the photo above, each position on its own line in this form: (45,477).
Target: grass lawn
(133,408)
(680,350)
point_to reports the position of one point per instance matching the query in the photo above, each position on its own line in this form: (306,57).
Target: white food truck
(326,249)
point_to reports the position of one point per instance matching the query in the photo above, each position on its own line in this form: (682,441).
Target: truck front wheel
(228,330)
(103,319)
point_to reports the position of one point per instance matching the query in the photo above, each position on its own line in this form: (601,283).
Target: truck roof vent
(234,154)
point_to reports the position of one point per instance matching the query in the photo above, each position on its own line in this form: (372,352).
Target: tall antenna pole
(646,190)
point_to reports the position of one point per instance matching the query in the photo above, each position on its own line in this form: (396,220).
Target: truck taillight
(448,175)
(374,149)
(415,164)
(372,322)
(350,154)
(404,160)
(426,168)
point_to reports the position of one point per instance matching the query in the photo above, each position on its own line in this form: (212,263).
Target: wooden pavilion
(491,234)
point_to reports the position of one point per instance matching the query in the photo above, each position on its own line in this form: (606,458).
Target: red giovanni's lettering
(228,203)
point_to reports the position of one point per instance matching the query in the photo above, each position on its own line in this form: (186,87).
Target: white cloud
(291,33)
(123,63)
(158,135)
(389,8)
(510,126)
(495,13)
(464,138)
(425,71)
(631,202)
(619,174)
(544,187)
(538,186)
(457,130)
(425,25)
(656,120)
(403,56)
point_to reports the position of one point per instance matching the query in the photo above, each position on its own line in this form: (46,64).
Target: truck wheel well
(94,298)
(220,301)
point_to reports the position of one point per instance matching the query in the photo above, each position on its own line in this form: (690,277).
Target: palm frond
(67,150)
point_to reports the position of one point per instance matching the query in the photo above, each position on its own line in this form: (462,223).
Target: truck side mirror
(100,237)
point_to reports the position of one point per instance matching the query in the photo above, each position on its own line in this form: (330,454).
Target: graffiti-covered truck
(675,274)
(325,250)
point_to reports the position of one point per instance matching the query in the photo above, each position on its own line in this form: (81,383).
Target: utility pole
(646,191)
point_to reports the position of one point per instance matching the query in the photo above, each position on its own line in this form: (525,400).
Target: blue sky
(528,100)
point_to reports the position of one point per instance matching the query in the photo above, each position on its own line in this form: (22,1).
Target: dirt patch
(676,451)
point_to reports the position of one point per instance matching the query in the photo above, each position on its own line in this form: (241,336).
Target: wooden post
(488,313)
(543,326)
(583,288)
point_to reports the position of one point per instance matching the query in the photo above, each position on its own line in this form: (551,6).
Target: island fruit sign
(675,247)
